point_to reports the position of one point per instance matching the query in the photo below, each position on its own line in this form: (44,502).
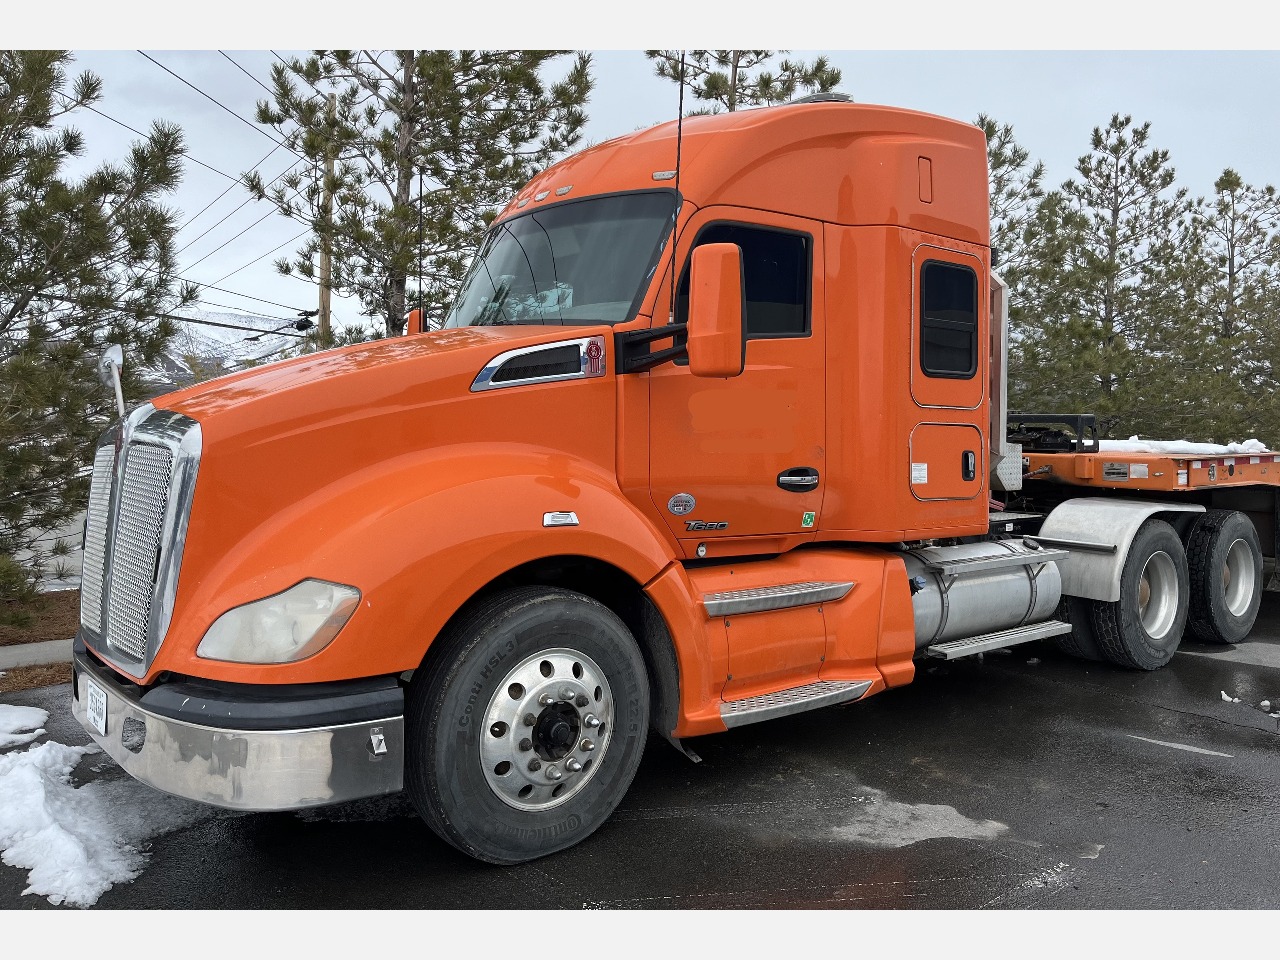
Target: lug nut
(572,765)
(526,744)
(535,764)
(553,773)
(546,700)
(530,719)
(566,693)
(591,720)
(587,745)
(582,700)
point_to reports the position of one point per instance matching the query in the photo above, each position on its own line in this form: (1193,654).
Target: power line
(226,191)
(246,122)
(260,316)
(143,135)
(265,255)
(158,314)
(247,73)
(236,293)
(192,266)
(233,212)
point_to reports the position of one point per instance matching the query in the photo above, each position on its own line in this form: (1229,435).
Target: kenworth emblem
(681,504)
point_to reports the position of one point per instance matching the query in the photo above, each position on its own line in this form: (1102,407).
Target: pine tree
(1240,296)
(426,146)
(1107,328)
(82,264)
(1014,190)
(729,79)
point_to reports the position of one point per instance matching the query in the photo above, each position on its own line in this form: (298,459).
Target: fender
(418,535)
(1098,532)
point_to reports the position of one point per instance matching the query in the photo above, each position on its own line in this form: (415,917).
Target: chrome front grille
(135,530)
(95,538)
(135,554)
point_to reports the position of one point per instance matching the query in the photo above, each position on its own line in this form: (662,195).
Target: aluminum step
(757,599)
(955,649)
(811,696)
(953,568)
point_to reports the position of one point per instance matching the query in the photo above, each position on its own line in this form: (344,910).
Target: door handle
(798,479)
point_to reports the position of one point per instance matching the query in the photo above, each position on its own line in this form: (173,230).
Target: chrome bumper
(250,770)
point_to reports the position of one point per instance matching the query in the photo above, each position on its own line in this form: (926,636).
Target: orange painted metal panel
(940,455)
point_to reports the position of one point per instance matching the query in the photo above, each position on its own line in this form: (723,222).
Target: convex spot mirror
(716,296)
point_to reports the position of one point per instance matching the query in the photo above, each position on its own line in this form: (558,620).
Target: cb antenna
(679,201)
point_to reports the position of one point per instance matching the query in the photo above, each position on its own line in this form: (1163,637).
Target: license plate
(96,706)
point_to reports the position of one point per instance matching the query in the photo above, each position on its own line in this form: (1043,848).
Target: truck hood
(355,374)
(313,467)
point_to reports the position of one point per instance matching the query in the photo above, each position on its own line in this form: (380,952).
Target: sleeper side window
(948,320)
(777,270)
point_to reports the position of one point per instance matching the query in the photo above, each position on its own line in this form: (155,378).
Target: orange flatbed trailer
(1155,472)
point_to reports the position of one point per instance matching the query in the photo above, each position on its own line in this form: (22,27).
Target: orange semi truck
(479,564)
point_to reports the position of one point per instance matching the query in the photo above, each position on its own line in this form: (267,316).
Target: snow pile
(1181,447)
(15,720)
(75,841)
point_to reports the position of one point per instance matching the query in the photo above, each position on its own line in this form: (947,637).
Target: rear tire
(487,781)
(1224,560)
(1080,642)
(1143,628)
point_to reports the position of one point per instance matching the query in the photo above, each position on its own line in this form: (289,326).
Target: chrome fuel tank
(980,588)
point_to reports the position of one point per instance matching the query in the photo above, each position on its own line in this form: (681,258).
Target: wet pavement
(1022,780)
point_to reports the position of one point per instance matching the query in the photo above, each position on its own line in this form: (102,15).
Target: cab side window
(777,268)
(948,320)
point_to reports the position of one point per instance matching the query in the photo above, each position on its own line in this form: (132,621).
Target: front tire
(526,725)
(1224,560)
(1143,628)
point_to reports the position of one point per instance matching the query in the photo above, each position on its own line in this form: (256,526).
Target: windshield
(573,264)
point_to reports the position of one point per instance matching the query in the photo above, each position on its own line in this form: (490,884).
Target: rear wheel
(1144,627)
(1080,642)
(527,725)
(1224,560)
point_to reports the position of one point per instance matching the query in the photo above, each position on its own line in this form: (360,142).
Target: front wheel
(1144,627)
(526,726)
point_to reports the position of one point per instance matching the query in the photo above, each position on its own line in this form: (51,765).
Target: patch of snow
(77,842)
(888,823)
(1228,698)
(1179,447)
(14,721)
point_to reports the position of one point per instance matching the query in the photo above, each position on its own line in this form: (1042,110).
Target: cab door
(744,456)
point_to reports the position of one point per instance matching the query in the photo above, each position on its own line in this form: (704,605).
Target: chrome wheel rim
(546,729)
(1158,595)
(1238,578)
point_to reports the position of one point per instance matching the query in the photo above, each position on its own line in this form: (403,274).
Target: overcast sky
(1209,108)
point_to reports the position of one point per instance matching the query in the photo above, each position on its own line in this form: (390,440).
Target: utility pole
(326,236)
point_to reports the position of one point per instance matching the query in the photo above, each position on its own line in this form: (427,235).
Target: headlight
(289,626)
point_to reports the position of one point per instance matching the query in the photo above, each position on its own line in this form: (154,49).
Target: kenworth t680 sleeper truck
(480,563)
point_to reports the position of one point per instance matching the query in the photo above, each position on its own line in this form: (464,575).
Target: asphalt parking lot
(1022,780)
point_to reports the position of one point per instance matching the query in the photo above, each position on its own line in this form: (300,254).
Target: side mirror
(110,363)
(716,296)
(416,322)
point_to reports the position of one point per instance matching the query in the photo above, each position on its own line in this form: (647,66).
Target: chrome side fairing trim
(589,365)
